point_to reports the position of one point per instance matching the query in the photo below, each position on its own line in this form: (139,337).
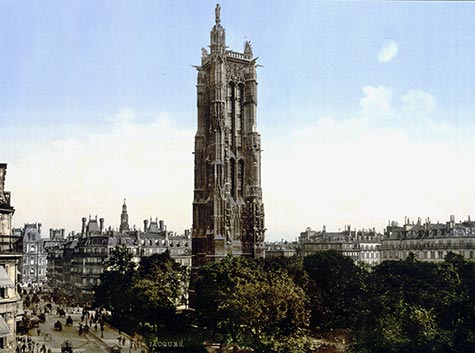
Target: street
(90,343)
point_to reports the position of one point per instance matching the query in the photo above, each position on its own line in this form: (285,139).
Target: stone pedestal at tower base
(259,251)
(235,248)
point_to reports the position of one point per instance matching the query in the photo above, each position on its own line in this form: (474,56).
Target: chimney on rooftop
(83,228)
(145,225)
(101,224)
(3,172)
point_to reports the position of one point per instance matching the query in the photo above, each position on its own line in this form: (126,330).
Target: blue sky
(366,109)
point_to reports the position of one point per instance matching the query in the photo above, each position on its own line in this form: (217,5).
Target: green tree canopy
(158,288)
(115,290)
(413,306)
(239,301)
(335,288)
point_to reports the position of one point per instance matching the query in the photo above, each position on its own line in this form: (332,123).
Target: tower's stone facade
(228,213)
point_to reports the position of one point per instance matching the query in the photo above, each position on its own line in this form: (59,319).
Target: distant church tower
(228,213)
(124,219)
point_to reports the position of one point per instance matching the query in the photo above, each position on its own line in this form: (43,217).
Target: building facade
(429,241)
(228,212)
(53,248)
(78,262)
(281,249)
(362,246)
(34,263)
(10,301)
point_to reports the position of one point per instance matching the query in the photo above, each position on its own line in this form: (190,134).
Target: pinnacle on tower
(218,35)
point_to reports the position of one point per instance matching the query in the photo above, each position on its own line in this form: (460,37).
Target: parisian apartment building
(77,262)
(362,246)
(429,241)
(33,265)
(10,302)
(426,240)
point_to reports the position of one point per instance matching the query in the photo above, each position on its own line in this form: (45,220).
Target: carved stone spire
(218,35)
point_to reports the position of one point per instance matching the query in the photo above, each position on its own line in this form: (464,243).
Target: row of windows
(414,243)
(41,260)
(32,271)
(434,254)
(370,255)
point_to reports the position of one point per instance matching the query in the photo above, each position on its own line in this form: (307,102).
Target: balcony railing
(237,55)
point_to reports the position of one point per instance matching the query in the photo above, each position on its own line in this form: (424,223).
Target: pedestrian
(38,331)
(123,341)
(119,338)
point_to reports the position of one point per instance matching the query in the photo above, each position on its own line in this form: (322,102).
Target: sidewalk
(110,339)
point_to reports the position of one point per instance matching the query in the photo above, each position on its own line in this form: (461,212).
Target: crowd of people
(26,344)
(86,319)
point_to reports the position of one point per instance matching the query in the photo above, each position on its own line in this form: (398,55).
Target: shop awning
(4,329)
(5,281)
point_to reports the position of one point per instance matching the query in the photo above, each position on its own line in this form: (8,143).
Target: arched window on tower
(233,178)
(240,115)
(241,178)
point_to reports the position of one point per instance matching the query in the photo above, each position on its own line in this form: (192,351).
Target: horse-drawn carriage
(58,326)
(116,349)
(67,347)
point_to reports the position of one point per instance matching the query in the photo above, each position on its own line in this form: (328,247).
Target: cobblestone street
(91,342)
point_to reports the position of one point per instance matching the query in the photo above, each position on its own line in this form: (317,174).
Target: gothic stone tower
(228,213)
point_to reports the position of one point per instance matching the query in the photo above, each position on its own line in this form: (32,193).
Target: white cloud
(362,176)
(363,172)
(377,103)
(149,164)
(388,51)
(418,103)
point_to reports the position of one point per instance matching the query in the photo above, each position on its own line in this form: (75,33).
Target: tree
(239,301)
(158,289)
(115,290)
(410,306)
(335,288)
(292,265)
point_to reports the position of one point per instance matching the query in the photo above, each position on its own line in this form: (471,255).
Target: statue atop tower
(228,212)
(217,13)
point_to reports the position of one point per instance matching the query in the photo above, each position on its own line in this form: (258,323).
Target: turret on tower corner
(228,213)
